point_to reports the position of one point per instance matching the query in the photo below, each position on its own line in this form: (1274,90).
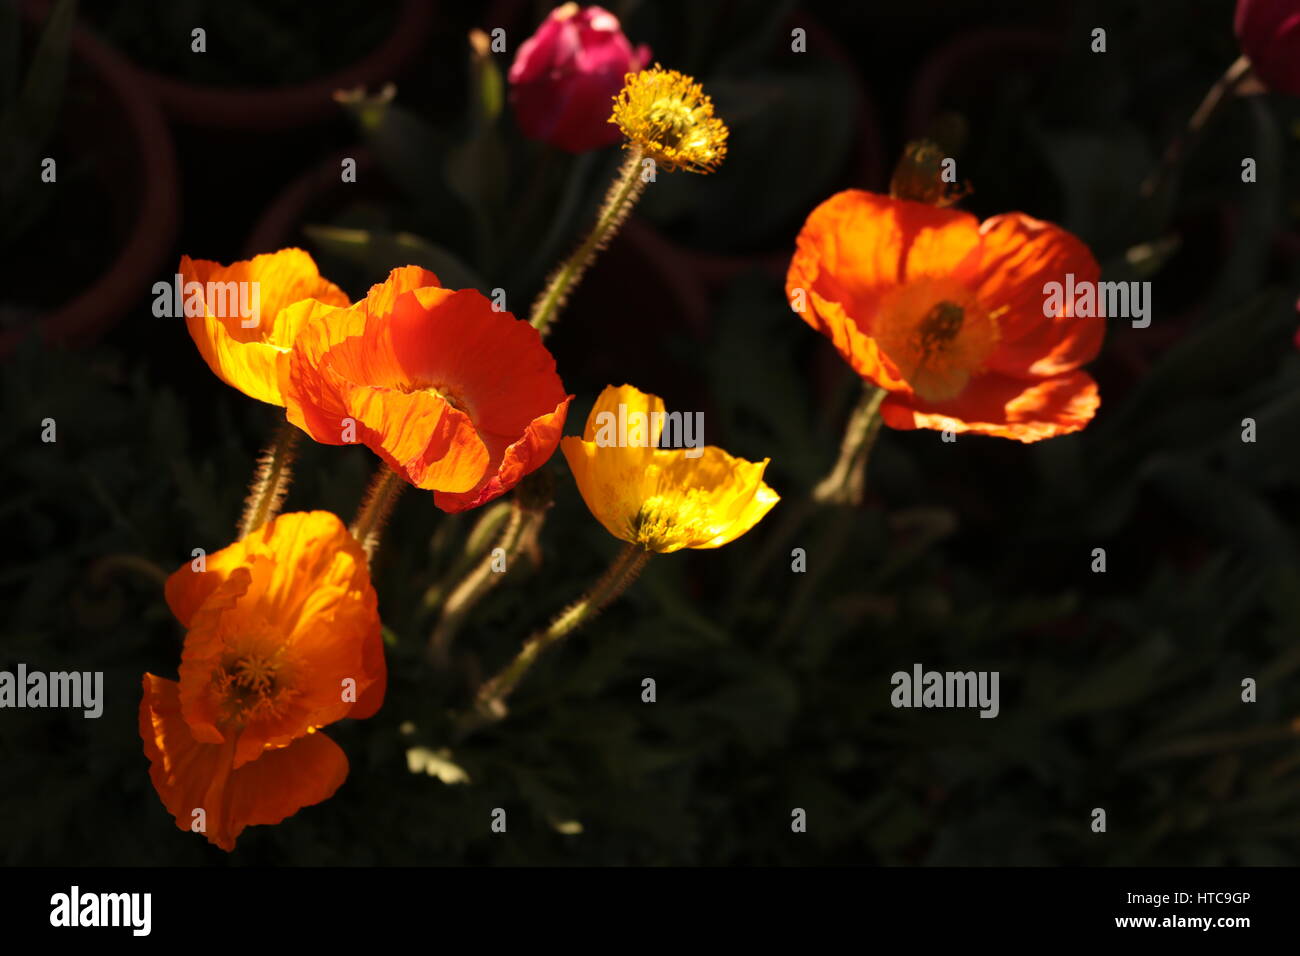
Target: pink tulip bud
(1269,34)
(566,75)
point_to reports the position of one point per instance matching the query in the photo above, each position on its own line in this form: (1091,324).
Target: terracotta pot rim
(936,70)
(274,229)
(80,320)
(254,108)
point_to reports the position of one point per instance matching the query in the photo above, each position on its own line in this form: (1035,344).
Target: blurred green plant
(1120,689)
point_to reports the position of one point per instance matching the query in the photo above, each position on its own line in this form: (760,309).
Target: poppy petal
(382,296)
(431,444)
(299,601)
(513,462)
(855,247)
(457,397)
(624,403)
(492,365)
(312,395)
(994,404)
(1022,255)
(716,497)
(610,484)
(249,358)
(190,775)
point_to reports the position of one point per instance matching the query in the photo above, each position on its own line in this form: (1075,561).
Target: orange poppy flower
(948,315)
(250,352)
(283,638)
(456,397)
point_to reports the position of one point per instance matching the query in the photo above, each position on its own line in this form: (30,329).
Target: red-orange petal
(428,442)
(312,395)
(855,247)
(494,364)
(382,296)
(1000,405)
(190,775)
(1021,256)
(454,395)
(514,461)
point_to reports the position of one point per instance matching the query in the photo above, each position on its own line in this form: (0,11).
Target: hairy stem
(271,481)
(521,527)
(375,508)
(490,700)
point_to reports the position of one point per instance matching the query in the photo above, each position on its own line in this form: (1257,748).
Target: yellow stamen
(936,334)
(668,116)
(254,680)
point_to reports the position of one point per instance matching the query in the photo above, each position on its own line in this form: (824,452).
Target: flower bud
(1269,34)
(566,75)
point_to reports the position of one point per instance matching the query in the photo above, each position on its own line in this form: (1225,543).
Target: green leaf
(1261,207)
(1225,509)
(1224,350)
(409,150)
(487,90)
(380,252)
(1100,172)
(1124,680)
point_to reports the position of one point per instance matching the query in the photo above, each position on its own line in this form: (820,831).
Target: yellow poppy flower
(661,499)
(243,326)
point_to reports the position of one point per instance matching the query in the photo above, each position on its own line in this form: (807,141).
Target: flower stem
(376,506)
(1219,93)
(521,528)
(847,480)
(622,196)
(485,532)
(490,701)
(271,481)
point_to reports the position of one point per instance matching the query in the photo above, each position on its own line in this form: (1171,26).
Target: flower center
(671,119)
(937,335)
(252,682)
(940,326)
(673,517)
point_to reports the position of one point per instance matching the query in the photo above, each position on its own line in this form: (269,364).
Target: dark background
(1119,690)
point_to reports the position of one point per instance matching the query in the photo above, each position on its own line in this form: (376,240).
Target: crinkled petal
(513,462)
(250,358)
(666,500)
(857,246)
(1003,406)
(1022,256)
(299,583)
(190,775)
